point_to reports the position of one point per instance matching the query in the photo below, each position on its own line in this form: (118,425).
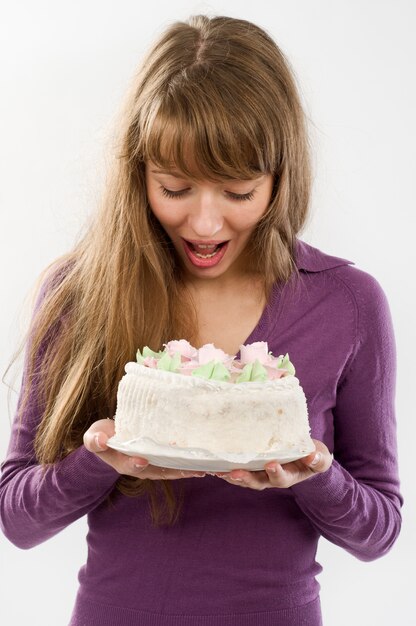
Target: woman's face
(221,216)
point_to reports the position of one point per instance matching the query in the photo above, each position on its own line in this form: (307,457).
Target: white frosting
(189,411)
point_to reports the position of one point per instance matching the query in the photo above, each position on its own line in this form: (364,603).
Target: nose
(206,218)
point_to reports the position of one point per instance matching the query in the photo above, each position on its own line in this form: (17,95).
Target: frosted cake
(185,398)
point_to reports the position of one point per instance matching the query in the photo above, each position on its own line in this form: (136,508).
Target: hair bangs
(201,138)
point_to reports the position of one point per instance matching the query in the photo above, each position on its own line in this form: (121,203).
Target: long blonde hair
(221,90)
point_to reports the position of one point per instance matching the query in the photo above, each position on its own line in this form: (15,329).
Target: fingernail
(139,468)
(97,443)
(317,458)
(272,468)
(139,465)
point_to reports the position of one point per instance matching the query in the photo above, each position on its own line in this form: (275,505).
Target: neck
(228,285)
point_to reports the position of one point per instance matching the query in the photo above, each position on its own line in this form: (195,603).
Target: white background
(64,70)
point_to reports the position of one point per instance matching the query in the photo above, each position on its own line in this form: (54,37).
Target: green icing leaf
(215,370)
(169,363)
(148,352)
(291,368)
(245,375)
(284,363)
(204,371)
(258,373)
(139,357)
(253,372)
(220,372)
(212,371)
(177,360)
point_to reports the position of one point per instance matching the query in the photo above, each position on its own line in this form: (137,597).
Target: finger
(136,466)
(141,467)
(254,480)
(191,474)
(106,426)
(95,441)
(319,460)
(96,437)
(281,476)
(172,474)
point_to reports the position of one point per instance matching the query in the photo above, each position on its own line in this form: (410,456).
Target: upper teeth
(205,246)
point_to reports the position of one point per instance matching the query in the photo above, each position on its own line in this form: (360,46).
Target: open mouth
(207,251)
(207,255)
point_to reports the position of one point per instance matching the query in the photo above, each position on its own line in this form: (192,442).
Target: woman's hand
(95,440)
(284,475)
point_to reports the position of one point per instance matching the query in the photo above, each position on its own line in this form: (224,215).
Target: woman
(213,152)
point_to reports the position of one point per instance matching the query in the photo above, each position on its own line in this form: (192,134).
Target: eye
(234,196)
(241,196)
(173,194)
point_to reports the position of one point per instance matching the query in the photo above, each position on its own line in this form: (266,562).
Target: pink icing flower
(183,347)
(187,367)
(273,373)
(150,361)
(257,350)
(191,358)
(236,366)
(208,353)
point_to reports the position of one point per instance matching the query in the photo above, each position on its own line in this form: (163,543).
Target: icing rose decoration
(274,374)
(255,365)
(183,347)
(256,351)
(149,361)
(209,352)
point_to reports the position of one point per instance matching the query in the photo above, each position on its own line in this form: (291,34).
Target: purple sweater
(240,557)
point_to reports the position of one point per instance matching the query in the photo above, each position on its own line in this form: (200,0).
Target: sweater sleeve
(356,503)
(36,502)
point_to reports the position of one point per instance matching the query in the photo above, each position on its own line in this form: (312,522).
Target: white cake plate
(198,459)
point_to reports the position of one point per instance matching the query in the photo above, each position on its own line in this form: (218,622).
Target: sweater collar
(310,259)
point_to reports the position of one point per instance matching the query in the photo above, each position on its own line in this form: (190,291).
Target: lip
(204,263)
(204,242)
